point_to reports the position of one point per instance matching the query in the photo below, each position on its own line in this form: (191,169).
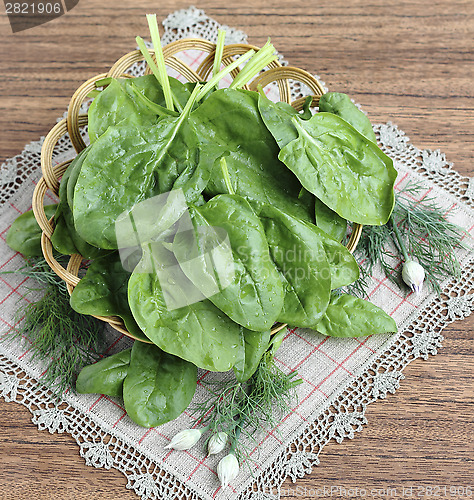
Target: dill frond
(428,236)
(56,334)
(247,409)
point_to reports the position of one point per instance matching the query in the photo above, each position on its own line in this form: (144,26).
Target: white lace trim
(345,410)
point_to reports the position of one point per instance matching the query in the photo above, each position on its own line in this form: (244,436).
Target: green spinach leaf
(341,105)
(230,119)
(329,221)
(348,316)
(256,343)
(106,376)
(103,292)
(158,386)
(342,168)
(301,260)
(127,165)
(254,297)
(277,117)
(198,332)
(118,102)
(65,238)
(24,235)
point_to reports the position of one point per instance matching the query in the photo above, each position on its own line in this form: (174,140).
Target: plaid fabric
(326,365)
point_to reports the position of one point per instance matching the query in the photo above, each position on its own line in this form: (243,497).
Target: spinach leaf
(24,235)
(348,316)
(199,332)
(65,238)
(71,175)
(158,386)
(301,260)
(118,102)
(230,119)
(106,376)
(256,343)
(103,292)
(342,168)
(277,117)
(344,268)
(127,165)
(254,297)
(341,105)
(329,221)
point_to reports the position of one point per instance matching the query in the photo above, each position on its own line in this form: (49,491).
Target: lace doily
(341,377)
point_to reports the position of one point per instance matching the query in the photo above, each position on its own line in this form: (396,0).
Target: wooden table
(408,62)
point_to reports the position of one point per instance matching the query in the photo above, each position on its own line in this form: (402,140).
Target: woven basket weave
(74,121)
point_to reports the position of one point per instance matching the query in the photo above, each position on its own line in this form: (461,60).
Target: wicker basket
(74,121)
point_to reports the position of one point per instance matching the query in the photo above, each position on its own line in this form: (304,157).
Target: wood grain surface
(407,62)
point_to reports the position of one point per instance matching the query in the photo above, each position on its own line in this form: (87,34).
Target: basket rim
(71,125)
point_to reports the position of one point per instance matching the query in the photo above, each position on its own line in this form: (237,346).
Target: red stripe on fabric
(299,376)
(13,327)
(382,283)
(25,353)
(400,181)
(341,364)
(201,378)
(195,60)
(114,343)
(398,306)
(215,492)
(191,455)
(315,348)
(385,278)
(144,436)
(364,341)
(124,413)
(95,402)
(17,209)
(114,403)
(10,259)
(196,468)
(4,231)
(15,290)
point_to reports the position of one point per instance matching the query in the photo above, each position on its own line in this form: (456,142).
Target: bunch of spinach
(282,185)
(273,196)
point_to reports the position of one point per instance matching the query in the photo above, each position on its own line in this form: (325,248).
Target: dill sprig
(246,409)
(423,230)
(61,338)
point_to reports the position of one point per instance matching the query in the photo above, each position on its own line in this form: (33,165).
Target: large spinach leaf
(254,297)
(106,376)
(127,165)
(342,168)
(158,386)
(24,235)
(230,119)
(341,105)
(103,292)
(199,332)
(119,102)
(298,252)
(344,268)
(277,117)
(65,238)
(348,316)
